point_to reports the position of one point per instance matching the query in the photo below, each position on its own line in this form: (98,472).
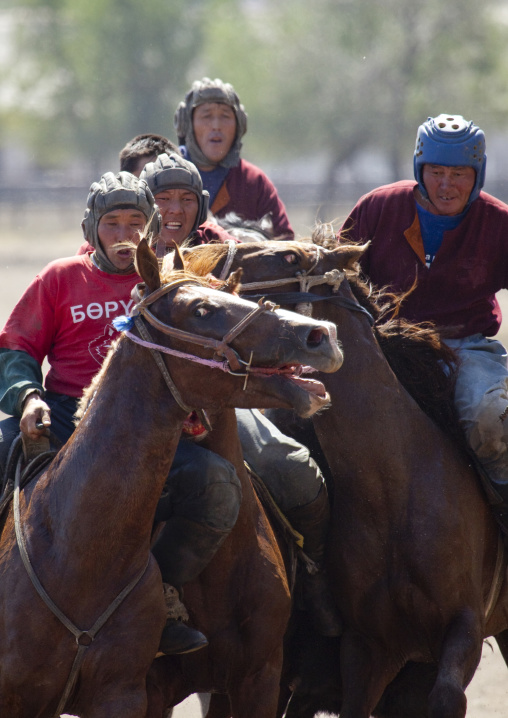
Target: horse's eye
(201,312)
(291,258)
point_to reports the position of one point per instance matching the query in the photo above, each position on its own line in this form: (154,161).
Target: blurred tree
(90,74)
(327,78)
(335,76)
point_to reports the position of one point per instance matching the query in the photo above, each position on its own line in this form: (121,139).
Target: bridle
(230,363)
(303,299)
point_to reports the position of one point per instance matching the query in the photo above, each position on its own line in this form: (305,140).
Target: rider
(183,204)
(142,149)
(445,234)
(210,123)
(173,203)
(291,475)
(66,316)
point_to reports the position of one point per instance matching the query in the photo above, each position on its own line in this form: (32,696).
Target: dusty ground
(26,246)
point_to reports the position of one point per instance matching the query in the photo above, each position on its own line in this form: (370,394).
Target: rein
(303,298)
(84,638)
(296,297)
(231,363)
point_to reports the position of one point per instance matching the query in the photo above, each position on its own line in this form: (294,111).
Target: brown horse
(415,557)
(241,602)
(78,584)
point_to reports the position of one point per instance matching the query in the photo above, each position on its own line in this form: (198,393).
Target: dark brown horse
(85,526)
(415,557)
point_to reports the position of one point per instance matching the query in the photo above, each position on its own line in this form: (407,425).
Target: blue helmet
(452,141)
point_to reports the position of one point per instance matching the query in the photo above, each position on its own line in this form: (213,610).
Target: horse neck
(114,467)
(369,407)
(225,441)
(252,525)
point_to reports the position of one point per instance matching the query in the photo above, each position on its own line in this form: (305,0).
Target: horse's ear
(349,254)
(147,266)
(178,262)
(233,282)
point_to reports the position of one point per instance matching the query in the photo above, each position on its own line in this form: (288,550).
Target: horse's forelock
(169,275)
(202,260)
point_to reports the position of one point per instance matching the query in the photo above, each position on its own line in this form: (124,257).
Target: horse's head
(262,351)
(279,270)
(285,261)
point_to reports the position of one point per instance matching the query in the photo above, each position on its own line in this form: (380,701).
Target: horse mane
(424,365)
(203,259)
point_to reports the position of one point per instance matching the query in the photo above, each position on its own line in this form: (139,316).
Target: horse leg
(502,642)
(365,670)
(460,656)
(257,695)
(219,706)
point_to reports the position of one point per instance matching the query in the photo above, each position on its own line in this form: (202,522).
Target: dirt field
(26,248)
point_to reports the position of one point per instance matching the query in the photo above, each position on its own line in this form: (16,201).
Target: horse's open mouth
(313,386)
(317,395)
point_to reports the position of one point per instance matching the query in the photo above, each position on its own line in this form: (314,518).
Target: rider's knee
(487,429)
(207,490)
(295,479)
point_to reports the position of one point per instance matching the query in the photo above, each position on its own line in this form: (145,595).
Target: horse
(82,605)
(418,577)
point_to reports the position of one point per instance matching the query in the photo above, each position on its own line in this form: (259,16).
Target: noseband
(231,362)
(333,278)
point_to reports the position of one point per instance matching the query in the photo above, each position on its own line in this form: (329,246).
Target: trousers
(481,398)
(201,485)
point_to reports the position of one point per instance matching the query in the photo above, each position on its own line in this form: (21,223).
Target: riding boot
(176,636)
(312,521)
(184,548)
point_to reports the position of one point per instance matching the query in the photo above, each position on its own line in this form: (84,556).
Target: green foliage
(328,77)
(102,70)
(332,76)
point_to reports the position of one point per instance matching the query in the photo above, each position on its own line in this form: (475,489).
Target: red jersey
(66,316)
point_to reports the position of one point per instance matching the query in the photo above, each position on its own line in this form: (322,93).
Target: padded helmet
(120,191)
(174,172)
(203,91)
(452,141)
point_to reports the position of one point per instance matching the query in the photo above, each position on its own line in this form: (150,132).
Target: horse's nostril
(315,337)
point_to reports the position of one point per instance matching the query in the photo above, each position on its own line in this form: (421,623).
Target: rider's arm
(20,375)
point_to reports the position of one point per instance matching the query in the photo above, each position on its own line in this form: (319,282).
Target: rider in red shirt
(66,315)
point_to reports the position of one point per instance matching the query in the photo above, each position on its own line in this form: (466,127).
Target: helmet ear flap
(241,121)
(203,208)
(181,121)
(154,224)
(86,224)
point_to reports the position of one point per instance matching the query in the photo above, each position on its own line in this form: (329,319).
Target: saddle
(31,457)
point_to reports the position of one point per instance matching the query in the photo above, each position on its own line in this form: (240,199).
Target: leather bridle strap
(298,297)
(84,638)
(221,347)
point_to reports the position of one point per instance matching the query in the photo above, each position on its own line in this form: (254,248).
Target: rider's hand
(35,412)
